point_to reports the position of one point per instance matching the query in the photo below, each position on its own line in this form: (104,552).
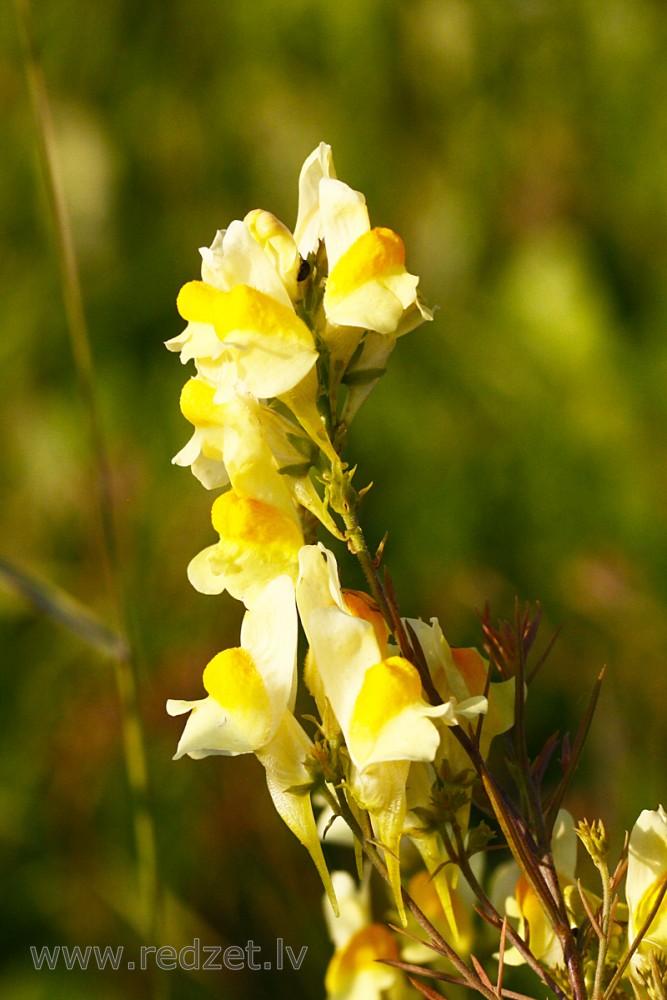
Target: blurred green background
(518,444)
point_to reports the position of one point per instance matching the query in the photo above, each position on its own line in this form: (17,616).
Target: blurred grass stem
(125,666)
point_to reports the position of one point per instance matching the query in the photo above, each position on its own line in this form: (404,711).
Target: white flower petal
(373,306)
(318,585)
(344,648)
(210,472)
(269,633)
(212,258)
(198,340)
(308,229)
(189,452)
(246,263)
(283,758)
(269,367)
(411,735)
(202,574)
(208,730)
(355,908)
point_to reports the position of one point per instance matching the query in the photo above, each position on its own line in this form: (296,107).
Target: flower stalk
(289,332)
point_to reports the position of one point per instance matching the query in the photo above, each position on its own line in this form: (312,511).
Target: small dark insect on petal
(304,271)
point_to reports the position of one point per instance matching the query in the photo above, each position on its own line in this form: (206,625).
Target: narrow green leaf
(64,609)
(553,803)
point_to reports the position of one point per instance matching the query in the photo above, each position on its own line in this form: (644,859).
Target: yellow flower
(462,675)
(258,542)
(257,521)
(243,435)
(370,299)
(375,697)
(513,891)
(368,285)
(235,257)
(355,971)
(241,320)
(457,932)
(270,348)
(251,695)
(647,872)
(204,451)
(308,231)
(220,423)
(249,688)
(278,244)
(265,349)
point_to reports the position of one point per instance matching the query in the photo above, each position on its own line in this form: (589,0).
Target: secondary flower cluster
(363,947)
(289,333)
(635,931)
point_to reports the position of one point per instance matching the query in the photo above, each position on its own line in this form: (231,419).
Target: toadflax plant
(289,333)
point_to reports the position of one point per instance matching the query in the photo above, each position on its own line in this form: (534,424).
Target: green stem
(356,542)
(125,667)
(604,939)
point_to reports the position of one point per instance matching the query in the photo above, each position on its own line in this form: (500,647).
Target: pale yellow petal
(270,634)
(205,731)
(198,340)
(381,790)
(344,648)
(278,244)
(371,307)
(302,401)
(344,218)
(257,544)
(283,758)
(237,258)
(356,971)
(647,868)
(272,348)
(389,720)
